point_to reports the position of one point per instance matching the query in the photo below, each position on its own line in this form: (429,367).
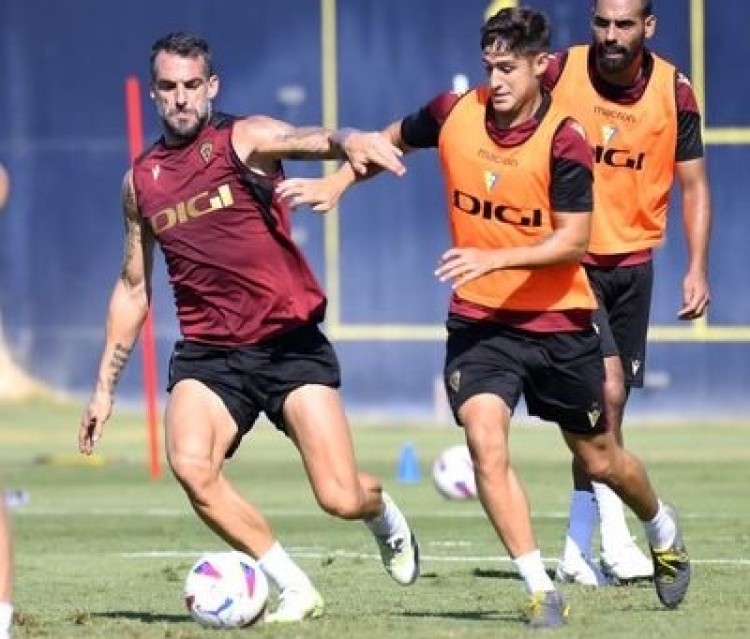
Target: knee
(194,475)
(340,502)
(600,468)
(616,398)
(490,463)
(615,393)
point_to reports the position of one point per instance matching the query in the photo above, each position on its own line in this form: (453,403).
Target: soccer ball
(453,473)
(226,590)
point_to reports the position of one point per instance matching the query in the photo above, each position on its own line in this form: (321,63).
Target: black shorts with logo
(560,375)
(624,297)
(258,378)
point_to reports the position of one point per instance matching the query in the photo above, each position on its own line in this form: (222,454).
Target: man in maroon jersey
(248,307)
(642,119)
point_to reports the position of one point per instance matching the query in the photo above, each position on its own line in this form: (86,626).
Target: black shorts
(559,374)
(258,378)
(624,297)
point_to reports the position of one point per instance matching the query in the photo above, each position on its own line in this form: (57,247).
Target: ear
(213,86)
(650,24)
(541,62)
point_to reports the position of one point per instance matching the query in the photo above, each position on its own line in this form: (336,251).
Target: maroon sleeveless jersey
(238,277)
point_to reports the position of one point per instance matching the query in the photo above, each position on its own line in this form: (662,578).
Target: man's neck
(523,114)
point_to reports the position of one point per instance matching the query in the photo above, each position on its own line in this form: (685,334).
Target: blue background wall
(62,136)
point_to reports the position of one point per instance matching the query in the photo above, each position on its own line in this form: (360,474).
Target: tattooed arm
(260,141)
(322,194)
(128,306)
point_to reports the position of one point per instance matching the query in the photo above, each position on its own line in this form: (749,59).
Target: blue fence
(63,138)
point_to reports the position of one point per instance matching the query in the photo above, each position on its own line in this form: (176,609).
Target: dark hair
(518,30)
(183,44)
(646,11)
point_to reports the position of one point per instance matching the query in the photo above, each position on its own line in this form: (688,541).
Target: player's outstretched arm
(128,307)
(257,137)
(322,194)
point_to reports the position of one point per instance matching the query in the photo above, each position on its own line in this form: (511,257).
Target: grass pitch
(102,550)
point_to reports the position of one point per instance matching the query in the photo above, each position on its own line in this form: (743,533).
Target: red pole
(134,118)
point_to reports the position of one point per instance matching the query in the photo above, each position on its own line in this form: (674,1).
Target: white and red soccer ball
(226,590)
(453,473)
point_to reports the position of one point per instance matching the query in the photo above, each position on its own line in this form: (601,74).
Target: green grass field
(102,551)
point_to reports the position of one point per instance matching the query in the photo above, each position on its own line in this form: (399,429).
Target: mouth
(182,118)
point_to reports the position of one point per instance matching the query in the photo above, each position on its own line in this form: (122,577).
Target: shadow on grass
(483,573)
(465,615)
(494,573)
(143,617)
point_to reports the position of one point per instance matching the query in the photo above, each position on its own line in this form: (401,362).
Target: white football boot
(297,604)
(400,551)
(579,569)
(626,563)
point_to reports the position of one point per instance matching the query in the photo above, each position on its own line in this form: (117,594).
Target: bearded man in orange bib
(643,123)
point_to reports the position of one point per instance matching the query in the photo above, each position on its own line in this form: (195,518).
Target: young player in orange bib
(518,176)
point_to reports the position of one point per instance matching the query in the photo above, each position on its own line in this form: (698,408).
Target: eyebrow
(599,21)
(190,83)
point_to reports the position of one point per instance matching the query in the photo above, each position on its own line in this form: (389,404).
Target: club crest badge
(206,150)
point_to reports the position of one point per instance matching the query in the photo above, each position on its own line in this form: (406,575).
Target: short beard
(186,135)
(608,65)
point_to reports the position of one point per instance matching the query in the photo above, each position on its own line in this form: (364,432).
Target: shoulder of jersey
(683,79)
(577,127)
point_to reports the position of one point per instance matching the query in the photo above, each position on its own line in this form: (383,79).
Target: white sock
(389,522)
(661,530)
(582,521)
(531,568)
(281,570)
(614,526)
(6,616)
